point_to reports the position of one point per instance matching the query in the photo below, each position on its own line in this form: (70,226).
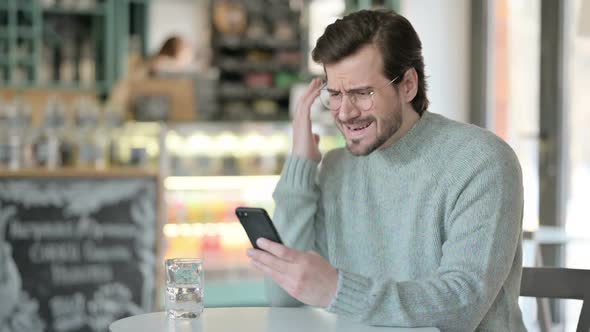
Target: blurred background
(198,94)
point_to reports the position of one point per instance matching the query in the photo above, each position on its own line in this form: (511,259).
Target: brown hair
(390,32)
(171,47)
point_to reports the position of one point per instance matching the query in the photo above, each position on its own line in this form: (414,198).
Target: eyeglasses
(362,99)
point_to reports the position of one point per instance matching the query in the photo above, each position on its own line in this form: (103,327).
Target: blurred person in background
(418,221)
(176,55)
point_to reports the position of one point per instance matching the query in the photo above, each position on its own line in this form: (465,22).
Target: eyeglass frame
(353,95)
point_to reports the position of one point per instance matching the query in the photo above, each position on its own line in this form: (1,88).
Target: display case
(212,168)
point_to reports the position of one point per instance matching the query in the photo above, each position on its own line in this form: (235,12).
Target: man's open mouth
(358,127)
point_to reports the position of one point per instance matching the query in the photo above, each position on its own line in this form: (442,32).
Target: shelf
(80,172)
(246,43)
(258,67)
(237,66)
(97,11)
(97,86)
(239,91)
(58,86)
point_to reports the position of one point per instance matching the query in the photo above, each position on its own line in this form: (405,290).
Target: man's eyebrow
(359,89)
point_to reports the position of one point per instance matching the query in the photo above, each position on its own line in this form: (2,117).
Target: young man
(418,221)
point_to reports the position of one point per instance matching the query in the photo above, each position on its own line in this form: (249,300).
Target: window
(577,140)
(515,73)
(321,14)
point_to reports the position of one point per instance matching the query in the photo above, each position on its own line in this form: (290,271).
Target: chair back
(559,283)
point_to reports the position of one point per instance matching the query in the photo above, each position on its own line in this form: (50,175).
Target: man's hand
(306,276)
(306,143)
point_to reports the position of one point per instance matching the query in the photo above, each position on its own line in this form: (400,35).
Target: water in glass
(184,300)
(184,288)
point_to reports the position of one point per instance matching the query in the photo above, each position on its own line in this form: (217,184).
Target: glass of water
(184,287)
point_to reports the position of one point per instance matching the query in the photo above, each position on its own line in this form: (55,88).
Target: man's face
(373,128)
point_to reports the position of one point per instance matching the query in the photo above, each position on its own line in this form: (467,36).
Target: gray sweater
(426,232)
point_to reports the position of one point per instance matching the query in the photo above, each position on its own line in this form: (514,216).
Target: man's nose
(347,110)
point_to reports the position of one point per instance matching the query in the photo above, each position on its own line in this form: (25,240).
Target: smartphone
(257,224)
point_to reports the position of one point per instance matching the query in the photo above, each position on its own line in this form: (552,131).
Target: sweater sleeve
(482,234)
(296,217)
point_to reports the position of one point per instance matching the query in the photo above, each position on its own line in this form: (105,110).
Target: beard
(392,124)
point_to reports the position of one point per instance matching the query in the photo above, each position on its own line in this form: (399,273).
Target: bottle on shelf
(12,136)
(230,17)
(257,28)
(91,141)
(137,145)
(24,125)
(50,149)
(19,74)
(87,65)
(47,61)
(67,67)
(113,128)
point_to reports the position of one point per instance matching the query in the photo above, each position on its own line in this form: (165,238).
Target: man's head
(362,53)
(179,49)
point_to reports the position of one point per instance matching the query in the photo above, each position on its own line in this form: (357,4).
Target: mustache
(358,121)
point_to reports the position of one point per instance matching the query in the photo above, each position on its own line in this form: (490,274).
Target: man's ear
(409,85)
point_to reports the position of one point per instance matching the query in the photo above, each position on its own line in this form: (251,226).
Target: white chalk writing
(69,312)
(54,252)
(41,230)
(94,253)
(77,198)
(62,275)
(84,227)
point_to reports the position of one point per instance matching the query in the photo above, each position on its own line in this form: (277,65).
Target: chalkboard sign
(85,248)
